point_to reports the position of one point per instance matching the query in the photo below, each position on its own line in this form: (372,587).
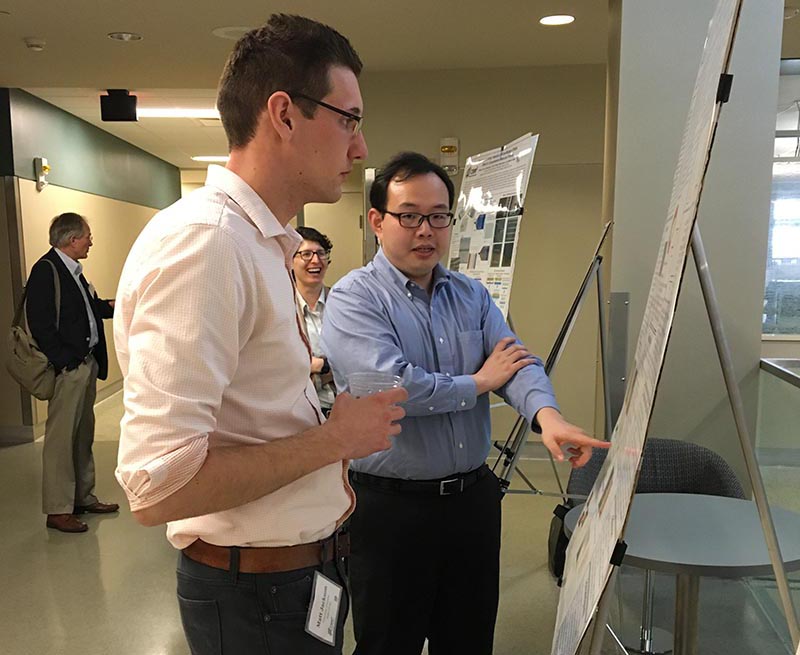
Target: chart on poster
(488,216)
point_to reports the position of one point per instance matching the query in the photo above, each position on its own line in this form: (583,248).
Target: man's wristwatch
(326,367)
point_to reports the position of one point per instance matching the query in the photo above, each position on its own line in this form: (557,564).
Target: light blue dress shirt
(376,319)
(75,269)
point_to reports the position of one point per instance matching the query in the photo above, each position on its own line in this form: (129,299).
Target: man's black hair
(401,167)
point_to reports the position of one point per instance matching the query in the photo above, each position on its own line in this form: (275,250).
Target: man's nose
(359,149)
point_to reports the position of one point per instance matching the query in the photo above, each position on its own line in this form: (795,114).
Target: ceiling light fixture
(177,112)
(127,37)
(561,19)
(212,159)
(34,43)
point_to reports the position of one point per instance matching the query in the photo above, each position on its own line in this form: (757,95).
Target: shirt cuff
(466,394)
(541,403)
(152,482)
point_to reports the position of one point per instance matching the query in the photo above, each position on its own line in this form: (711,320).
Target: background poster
(488,216)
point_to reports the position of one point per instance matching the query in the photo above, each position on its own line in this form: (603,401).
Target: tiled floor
(111,590)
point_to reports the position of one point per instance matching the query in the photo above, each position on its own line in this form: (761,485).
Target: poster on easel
(485,234)
(602,521)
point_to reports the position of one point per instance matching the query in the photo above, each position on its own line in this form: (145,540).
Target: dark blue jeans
(232,613)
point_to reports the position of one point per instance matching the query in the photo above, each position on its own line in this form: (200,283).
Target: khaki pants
(67,460)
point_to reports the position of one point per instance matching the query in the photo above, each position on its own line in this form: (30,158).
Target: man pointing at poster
(426,529)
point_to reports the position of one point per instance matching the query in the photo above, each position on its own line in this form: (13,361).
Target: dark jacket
(67,346)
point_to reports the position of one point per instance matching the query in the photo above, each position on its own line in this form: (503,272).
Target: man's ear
(280,112)
(375,219)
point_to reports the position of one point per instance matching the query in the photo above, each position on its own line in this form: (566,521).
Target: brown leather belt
(271,560)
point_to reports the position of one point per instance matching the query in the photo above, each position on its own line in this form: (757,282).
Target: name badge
(323,613)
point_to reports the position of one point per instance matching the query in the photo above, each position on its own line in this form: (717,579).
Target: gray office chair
(668,466)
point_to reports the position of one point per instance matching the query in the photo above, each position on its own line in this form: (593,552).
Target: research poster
(489,214)
(605,512)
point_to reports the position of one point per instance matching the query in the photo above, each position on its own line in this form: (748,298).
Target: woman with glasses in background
(310,263)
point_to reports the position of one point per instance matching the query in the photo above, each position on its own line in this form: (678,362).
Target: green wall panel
(6,160)
(84,157)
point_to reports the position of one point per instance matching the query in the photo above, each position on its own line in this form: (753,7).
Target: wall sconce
(448,154)
(41,168)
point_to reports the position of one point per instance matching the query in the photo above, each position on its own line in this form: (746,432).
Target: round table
(693,535)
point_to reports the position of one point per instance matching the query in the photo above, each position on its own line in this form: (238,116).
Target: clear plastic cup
(367,383)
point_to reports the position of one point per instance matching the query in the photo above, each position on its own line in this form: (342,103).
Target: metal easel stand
(688,594)
(601,624)
(511,450)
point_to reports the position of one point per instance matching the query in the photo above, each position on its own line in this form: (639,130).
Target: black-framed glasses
(354,121)
(308,255)
(437,220)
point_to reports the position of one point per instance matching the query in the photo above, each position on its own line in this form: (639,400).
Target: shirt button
(409,294)
(461,445)
(430,409)
(463,403)
(447,374)
(441,340)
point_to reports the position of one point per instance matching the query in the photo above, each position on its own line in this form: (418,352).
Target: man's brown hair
(288,53)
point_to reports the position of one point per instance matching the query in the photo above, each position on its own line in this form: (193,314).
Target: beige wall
(783,348)
(115,225)
(191,179)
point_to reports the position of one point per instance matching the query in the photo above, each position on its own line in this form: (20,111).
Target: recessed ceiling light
(232,33)
(176,112)
(124,36)
(562,19)
(212,159)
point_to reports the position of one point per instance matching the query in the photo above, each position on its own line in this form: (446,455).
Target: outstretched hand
(558,433)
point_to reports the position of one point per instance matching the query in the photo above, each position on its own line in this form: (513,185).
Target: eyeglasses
(308,255)
(354,121)
(437,220)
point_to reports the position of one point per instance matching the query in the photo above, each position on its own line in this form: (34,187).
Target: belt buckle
(446,485)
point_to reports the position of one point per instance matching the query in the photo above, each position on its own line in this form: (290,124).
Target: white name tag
(323,613)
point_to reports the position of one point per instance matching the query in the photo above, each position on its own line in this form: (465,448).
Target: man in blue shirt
(426,531)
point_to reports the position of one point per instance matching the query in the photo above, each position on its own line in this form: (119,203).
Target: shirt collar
(304,305)
(389,271)
(255,208)
(76,268)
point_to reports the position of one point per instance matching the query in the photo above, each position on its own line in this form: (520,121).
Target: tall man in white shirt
(222,436)
(72,336)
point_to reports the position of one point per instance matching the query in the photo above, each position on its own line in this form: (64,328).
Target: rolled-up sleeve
(178,326)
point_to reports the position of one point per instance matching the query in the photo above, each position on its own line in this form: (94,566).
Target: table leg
(687,592)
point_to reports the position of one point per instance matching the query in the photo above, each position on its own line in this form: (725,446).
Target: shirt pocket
(470,351)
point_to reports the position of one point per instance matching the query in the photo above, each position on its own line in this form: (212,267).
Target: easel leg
(601,617)
(754,473)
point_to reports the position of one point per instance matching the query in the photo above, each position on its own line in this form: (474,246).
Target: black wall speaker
(118,105)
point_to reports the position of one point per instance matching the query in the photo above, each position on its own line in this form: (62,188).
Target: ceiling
(178,61)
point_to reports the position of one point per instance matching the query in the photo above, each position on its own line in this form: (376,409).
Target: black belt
(453,484)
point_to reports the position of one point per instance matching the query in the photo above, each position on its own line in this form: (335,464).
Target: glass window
(782,285)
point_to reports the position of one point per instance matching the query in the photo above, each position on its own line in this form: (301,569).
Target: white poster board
(485,235)
(602,522)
